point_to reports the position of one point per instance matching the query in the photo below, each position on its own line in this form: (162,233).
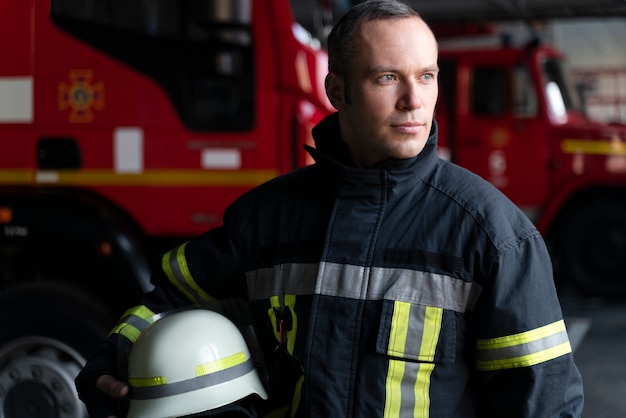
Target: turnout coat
(413,289)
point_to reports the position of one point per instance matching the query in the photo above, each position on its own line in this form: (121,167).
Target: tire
(46,333)
(590,247)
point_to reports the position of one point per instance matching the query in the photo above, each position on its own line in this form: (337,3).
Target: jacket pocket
(417,332)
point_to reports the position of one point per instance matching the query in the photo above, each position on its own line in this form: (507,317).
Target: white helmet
(189,362)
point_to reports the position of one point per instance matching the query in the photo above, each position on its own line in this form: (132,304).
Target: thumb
(111,386)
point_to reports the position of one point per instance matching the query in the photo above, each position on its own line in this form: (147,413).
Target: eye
(387,78)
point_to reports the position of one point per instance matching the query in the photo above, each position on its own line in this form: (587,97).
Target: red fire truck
(125,128)
(510,115)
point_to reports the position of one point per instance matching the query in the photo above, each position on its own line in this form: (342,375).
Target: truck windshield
(201,53)
(559,91)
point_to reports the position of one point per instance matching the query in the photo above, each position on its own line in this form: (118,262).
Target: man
(389,282)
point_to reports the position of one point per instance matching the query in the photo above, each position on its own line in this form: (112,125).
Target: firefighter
(383,281)
(193,362)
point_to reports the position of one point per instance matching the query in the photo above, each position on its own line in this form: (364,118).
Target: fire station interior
(218,90)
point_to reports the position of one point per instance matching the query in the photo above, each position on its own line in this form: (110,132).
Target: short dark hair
(340,46)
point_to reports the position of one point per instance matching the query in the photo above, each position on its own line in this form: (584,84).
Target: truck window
(558,86)
(489,91)
(200,52)
(525,102)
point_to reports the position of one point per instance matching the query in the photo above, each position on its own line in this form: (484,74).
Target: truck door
(500,134)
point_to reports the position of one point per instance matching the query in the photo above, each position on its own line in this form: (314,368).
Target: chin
(411,151)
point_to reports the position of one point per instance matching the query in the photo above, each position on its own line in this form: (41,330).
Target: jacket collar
(333,157)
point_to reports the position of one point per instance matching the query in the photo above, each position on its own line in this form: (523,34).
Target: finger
(111,386)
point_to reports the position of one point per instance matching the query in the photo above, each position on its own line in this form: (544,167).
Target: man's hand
(111,386)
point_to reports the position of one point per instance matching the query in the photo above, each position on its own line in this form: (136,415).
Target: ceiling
(444,12)
(481,10)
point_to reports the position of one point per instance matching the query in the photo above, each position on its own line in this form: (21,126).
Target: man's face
(391,90)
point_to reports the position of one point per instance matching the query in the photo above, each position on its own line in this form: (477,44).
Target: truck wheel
(46,333)
(590,247)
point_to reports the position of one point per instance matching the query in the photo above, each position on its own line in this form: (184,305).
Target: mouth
(409,127)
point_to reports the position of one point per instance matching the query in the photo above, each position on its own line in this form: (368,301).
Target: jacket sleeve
(197,272)
(112,357)
(523,354)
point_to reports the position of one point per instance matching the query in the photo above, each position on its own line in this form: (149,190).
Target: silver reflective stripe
(133,322)
(523,349)
(423,288)
(357,282)
(137,322)
(282,279)
(175,267)
(528,348)
(189,385)
(408,389)
(176,275)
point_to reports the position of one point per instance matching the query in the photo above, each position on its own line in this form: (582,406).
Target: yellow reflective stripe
(130,332)
(288,302)
(422,390)
(393,398)
(274,303)
(142,382)
(117,328)
(132,322)
(430,337)
(145,388)
(182,265)
(523,349)
(522,337)
(140,311)
(397,342)
(175,267)
(214,178)
(221,364)
(400,329)
(586,146)
(201,370)
(295,402)
(526,360)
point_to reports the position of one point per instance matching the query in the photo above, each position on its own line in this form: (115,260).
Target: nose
(410,96)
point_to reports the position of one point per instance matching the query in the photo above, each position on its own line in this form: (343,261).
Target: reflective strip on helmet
(147,381)
(523,349)
(175,267)
(359,282)
(158,387)
(221,364)
(133,322)
(408,383)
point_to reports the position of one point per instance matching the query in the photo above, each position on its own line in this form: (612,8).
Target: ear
(335,90)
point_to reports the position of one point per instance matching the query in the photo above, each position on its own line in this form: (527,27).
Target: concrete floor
(597,331)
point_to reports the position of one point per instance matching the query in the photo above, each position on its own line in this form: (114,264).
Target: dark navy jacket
(413,289)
